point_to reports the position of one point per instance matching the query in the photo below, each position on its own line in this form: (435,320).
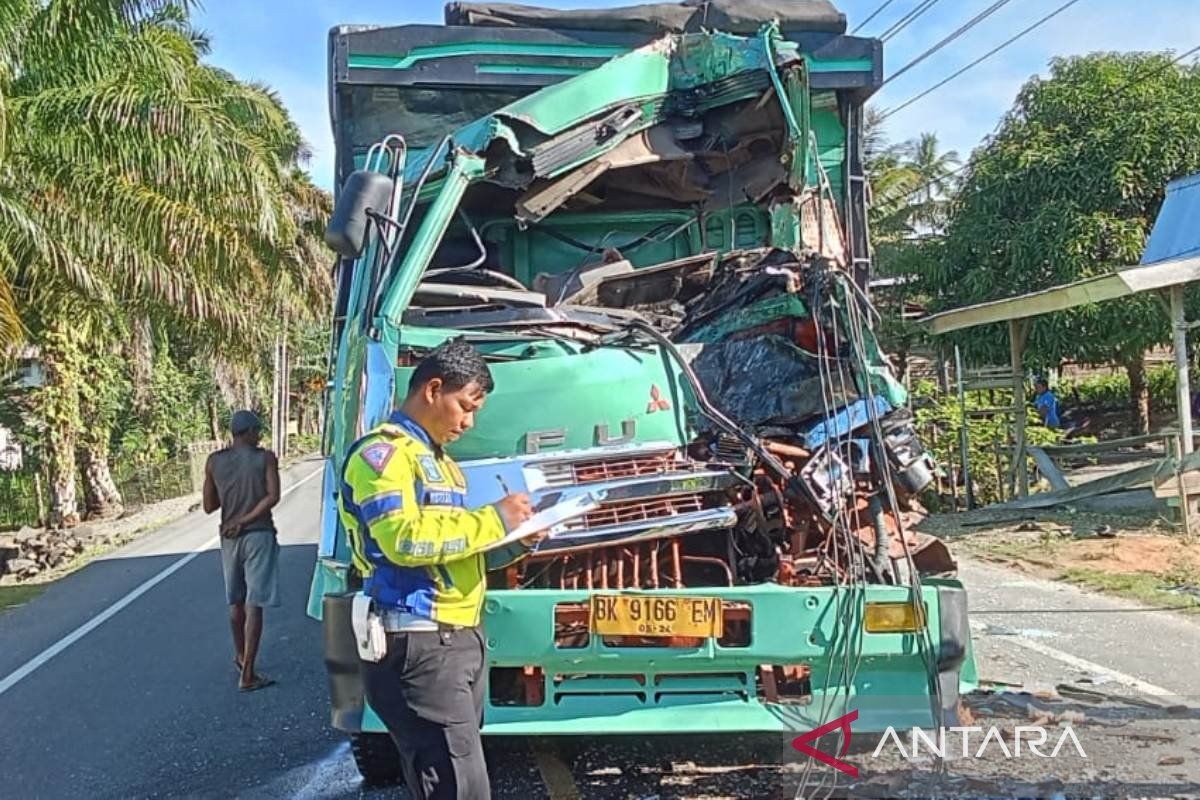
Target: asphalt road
(140,700)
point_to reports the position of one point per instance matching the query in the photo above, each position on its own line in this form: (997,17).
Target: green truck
(652,221)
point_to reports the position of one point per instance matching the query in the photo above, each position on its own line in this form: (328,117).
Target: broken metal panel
(799,99)
(536,204)
(579,287)
(430,295)
(1048,468)
(1111,483)
(751,181)
(654,145)
(570,123)
(424,79)
(721,58)
(787,230)
(671,282)
(643,73)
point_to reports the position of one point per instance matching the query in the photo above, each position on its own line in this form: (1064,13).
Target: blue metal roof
(1176,232)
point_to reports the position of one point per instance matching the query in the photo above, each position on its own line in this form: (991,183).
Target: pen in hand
(514,509)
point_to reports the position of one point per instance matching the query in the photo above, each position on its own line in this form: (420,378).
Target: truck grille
(633,511)
(560,474)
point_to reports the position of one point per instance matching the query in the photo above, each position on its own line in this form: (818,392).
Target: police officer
(420,551)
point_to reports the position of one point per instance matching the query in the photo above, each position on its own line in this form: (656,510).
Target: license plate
(644,615)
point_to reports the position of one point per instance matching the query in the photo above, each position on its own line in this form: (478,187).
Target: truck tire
(377,758)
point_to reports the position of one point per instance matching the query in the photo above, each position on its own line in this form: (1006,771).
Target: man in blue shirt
(1046,403)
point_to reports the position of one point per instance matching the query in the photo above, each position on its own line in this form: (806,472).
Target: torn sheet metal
(567,124)
(653,146)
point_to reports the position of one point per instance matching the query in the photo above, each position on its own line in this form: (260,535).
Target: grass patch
(1136,558)
(13,596)
(1145,587)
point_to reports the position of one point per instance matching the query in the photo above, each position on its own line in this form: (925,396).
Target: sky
(283,43)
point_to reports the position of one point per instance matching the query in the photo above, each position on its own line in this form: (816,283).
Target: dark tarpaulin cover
(732,16)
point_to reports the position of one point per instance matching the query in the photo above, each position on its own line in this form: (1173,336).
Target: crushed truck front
(663,258)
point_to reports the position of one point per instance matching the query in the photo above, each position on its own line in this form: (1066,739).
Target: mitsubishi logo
(657,401)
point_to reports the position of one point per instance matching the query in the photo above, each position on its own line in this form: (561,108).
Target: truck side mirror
(362,192)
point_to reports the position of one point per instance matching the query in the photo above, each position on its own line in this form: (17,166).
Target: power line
(872,16)
(971,23)
(1120,90)
(908,19)
(979,60)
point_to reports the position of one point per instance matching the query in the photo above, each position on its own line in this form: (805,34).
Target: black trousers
(428,690)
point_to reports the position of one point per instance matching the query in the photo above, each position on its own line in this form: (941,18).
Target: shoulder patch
(378,455)
(429,469)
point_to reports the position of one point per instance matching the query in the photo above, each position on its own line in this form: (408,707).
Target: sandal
(260,682)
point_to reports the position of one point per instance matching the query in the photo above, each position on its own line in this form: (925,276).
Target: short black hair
(457,363)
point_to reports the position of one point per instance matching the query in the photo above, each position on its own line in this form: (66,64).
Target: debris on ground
(30,551)
(38,554)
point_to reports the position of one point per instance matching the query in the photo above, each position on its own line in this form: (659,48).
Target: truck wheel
(377,758)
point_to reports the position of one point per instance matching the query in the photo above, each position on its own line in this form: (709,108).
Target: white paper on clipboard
(549,518)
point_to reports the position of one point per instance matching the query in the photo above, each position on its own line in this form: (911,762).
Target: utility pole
(285,390)
(276,375)
(280,394)
(963,434)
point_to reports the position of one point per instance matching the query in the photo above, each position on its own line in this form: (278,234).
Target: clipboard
(551,516)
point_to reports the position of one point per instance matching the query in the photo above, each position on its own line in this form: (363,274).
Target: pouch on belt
(368,629)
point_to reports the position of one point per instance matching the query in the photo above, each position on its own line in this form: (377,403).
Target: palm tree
(935,172)
(132,175)
(892,180)
(911,183)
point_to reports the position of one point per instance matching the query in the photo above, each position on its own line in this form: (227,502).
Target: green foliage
(1112,391)
(139,183)
(910,183)
(309,368)
(989,445)
(1067,189)
(901,259)
(104,391)
(303,444)
(175,415)
(18,499)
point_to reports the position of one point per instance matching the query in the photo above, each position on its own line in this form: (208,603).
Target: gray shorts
(251,566)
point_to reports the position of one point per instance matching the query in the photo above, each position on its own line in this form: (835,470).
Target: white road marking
(1090,666)
(95,622)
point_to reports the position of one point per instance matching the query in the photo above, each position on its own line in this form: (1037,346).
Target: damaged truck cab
(655,231)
